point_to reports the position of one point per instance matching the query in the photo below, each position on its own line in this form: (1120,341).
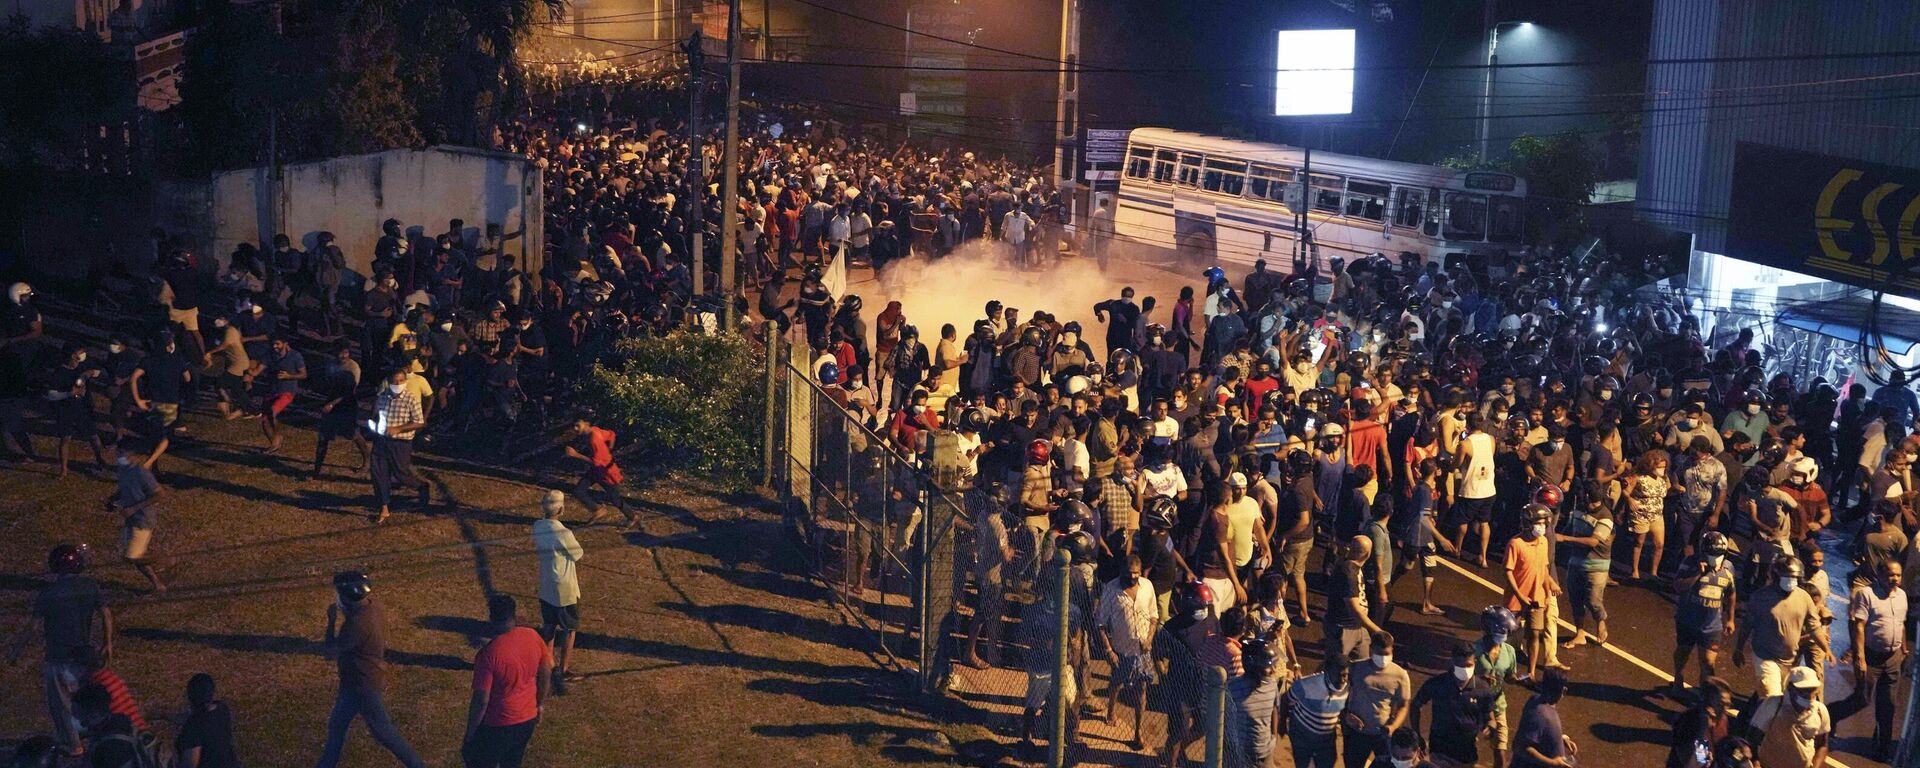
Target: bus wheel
(1197,249)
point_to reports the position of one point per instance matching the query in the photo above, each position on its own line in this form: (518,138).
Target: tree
(1561,172)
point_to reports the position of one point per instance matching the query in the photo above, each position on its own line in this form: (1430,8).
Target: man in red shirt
(1258,386)
(1367,443)
(594,446)
(509,687)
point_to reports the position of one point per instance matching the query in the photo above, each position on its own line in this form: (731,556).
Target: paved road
(1611,709)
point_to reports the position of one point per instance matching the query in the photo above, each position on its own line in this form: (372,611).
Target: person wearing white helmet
(20,333)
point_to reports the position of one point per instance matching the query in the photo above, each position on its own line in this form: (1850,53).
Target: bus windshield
(1466,217)
(1506,220)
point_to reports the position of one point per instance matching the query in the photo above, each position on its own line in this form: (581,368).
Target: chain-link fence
(977,604)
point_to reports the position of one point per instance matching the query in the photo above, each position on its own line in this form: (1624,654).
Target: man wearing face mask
(397,417)
(1791,729)
(1462,704)
(1495,660)
(1317,703)
(1407,750)
(1590,535)
(1778,617)
(1377,706)
(1531,587)
(1692,423)
(1749,418)
(1705,605)
(1551,463)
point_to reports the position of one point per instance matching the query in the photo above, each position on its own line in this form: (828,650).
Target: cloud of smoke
(956,288)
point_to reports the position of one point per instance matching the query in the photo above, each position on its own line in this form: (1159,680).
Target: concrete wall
(351,196)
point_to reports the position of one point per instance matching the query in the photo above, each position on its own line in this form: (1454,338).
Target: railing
(897,541)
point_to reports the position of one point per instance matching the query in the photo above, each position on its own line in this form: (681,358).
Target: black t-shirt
(1010,440)
(161,382)
(1458,715)
(66,607)
(1347,582)
(1296,505)
(14,361)
(211,730)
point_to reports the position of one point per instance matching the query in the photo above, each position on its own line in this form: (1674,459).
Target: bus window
(1466,217)
(1164,162)
(1224,176)
(1139,162)
(1505,221)
(1409,207)
(1189,175)
(1367,199)
(1269,183)
(1326,193)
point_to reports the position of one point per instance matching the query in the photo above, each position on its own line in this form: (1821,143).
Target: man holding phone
(397,417)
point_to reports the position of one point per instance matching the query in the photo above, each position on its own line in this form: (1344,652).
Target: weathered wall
(351,196)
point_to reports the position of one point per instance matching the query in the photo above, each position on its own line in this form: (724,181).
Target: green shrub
(684,402)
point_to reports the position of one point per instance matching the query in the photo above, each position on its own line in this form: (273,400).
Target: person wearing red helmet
(64,614)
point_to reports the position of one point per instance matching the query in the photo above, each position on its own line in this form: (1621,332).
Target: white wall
(351,196)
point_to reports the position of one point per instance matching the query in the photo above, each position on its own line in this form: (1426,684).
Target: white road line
(1614,649)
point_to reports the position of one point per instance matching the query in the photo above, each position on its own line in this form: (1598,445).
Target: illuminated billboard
(1314,72)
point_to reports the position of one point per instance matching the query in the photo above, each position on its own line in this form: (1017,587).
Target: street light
(1493,58)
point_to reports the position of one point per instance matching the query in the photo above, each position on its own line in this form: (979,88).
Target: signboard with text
(1849,221)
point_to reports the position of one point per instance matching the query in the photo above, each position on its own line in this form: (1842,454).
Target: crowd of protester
(1529,414)
(1558,424)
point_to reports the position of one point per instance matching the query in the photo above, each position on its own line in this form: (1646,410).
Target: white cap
(1332,430)
(1238,480)
(553,500)
(1803,677)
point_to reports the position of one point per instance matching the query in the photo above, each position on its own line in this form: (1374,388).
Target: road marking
(1614,649)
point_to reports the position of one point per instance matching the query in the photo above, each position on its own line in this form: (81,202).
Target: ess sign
(1845,220)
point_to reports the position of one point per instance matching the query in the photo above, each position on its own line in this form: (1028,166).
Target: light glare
(1314,72)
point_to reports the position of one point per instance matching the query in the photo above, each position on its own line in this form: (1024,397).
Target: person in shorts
(1704,607)
(1127,617)
(559,551)
(339,386)
(280,375)
(136,492)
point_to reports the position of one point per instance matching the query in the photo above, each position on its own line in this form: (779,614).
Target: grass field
(702,641)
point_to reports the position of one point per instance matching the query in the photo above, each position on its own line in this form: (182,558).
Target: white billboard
(1314,72)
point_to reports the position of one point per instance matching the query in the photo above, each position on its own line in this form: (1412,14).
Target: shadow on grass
(283,644)
(900,744)
(824,632)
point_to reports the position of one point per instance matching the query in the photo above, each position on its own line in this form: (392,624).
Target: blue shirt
(289,363)
(1900,402)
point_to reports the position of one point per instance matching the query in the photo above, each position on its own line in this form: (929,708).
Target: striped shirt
(1316,710)
(119,698)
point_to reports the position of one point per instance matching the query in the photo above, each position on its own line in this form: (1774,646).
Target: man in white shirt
(1164,478)
(1014,228)
(1128,614)
(558,551)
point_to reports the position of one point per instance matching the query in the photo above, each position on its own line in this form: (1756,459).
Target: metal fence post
(766,441)
(1062,666)
(1215,719)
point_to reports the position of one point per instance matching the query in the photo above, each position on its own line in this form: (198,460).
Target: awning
(1842,319)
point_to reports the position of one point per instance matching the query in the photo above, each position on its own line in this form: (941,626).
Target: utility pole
(696,160)
(730,195)
(1066,112)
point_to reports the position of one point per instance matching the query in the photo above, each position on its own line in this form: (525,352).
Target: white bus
(1212,199)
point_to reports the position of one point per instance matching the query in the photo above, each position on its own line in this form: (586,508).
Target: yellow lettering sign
(1824,222)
